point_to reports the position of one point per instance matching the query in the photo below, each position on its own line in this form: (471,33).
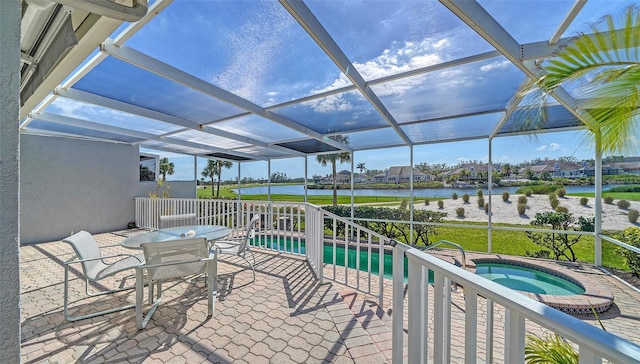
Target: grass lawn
(630,196)
(517,243)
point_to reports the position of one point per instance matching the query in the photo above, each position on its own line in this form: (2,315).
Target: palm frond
(605,66)
(549,349)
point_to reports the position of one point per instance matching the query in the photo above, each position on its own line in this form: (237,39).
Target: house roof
(264,80)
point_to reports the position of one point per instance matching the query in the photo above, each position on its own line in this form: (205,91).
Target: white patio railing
(593,343)
(343,251)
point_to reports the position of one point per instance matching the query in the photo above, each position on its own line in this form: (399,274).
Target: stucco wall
(71,184)
(9,176)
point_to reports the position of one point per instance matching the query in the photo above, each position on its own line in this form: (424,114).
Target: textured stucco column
(10,11)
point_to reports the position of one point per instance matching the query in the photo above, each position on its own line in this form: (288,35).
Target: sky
(256,50)
(513,150)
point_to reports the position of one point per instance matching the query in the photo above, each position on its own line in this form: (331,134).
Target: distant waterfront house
(342,177)
(399,174)
(626,167)
(470,170)
(554,168)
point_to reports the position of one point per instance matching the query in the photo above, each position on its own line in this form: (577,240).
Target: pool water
(527,279)
(286,245)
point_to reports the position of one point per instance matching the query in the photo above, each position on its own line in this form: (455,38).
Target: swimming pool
(527,279)
(547,282)
(564,297)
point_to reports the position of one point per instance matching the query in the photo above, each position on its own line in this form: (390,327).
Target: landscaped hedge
(386,225)
(627,188)
(539,189)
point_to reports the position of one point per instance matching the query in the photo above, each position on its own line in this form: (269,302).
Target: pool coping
(595,297)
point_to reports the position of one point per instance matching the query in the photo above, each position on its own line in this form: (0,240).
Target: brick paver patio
(282,317)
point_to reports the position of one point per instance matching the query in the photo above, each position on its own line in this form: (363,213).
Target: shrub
(608,200)
(625,188)
(404,204)
(631,236)
(505,196)
(560,245)
(460,211)
(522,199)
(426,202)
(633,215)
(486,208)
(584,201)
(522,208)
(480,193)
(554,203)
(480,202)
(539,189)
(528,193)
(441,204)
(561,192)
(465,198)
(454,196)
(562,209)
(624,204)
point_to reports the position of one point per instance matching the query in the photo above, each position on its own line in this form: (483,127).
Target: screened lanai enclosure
(266,80)
(246,81)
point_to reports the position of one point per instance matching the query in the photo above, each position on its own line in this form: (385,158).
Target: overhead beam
(106,102)
(476,17)
(568,19)
(162,69)
(319,34)
(69,121)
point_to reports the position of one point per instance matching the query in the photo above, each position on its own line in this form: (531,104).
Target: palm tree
(214,168)
(605,67)
(506,170)
(361,167)
(166,168)
(343,157)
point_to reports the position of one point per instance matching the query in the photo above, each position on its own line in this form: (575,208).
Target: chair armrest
(203,260)
(75,260)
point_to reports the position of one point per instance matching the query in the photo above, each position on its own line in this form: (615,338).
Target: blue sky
(256,50)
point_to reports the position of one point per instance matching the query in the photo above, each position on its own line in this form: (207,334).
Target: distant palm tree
(343,157)
(506,170)
(166,168)
(214,168)
(361,167)
(604,69)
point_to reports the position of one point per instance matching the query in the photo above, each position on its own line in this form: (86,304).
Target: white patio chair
(167,221)
(173,259)
(95,268)
(240,246)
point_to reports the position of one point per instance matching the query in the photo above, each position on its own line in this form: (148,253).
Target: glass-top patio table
(211,232)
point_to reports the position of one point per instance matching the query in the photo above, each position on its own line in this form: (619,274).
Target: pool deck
(282,317)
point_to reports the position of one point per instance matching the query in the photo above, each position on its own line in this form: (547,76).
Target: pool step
(375,321)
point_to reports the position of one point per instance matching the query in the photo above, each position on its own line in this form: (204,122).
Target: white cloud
(541,148)
(495,65)
(554,146)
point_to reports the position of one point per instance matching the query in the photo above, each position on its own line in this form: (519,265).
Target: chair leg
(94,314)
(141,319)
(252,268)
(252,256)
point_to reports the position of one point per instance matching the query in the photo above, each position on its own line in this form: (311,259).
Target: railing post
(514,337)
(397,331)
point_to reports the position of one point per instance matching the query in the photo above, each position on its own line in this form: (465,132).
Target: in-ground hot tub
(557,287)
